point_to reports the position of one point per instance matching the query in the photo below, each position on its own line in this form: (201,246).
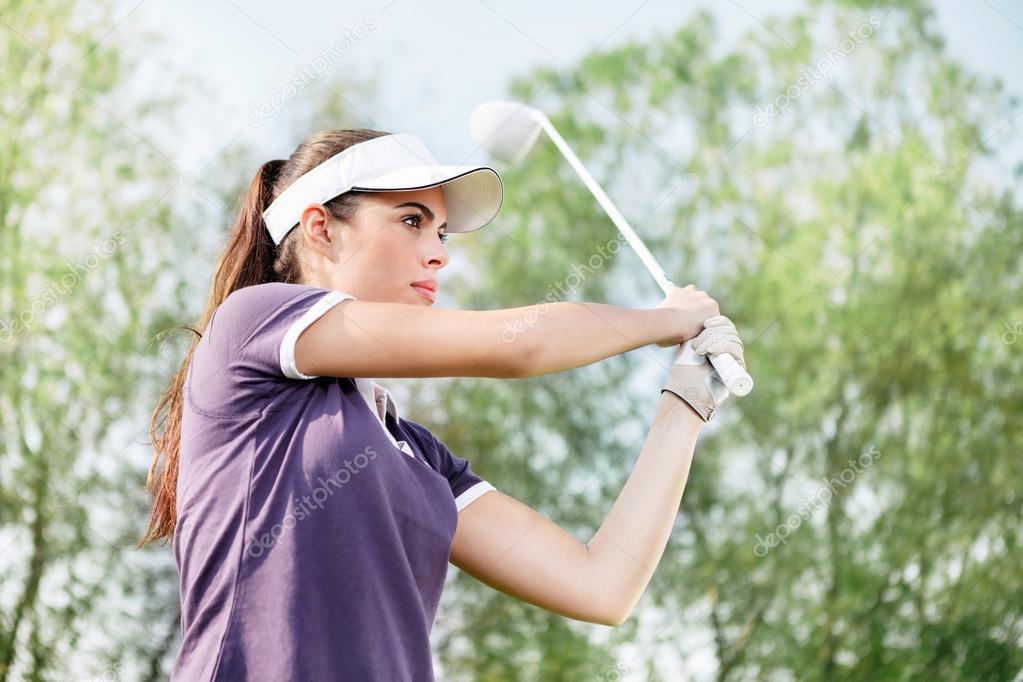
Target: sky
(430,65)
(433,62)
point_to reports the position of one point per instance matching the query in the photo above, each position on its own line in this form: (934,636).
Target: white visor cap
(390,163)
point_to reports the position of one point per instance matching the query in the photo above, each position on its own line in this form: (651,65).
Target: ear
(319,228)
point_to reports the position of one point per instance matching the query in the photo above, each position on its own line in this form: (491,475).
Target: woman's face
(390,251)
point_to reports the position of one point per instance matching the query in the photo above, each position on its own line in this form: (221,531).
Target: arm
(357,338)
(516,550)
(630,542)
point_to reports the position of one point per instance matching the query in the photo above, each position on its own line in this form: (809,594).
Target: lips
(426,288)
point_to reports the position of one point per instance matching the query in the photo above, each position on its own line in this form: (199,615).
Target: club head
(506,130)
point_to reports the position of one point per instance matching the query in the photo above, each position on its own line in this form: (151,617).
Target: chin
(420,300)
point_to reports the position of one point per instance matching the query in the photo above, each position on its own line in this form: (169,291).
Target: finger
(725,346)
(717,321)
(711,340)
(707,341)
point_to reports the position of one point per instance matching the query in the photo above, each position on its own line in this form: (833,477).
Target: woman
(312,523)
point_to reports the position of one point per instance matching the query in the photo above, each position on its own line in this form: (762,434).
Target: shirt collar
(375,394)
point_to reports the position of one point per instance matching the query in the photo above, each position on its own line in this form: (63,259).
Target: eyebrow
(425,209)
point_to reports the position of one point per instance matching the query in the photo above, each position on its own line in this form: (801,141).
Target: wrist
(675,404)
(667,323)
(692,380)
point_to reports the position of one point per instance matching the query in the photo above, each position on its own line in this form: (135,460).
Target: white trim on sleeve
(472,494)
(287,352)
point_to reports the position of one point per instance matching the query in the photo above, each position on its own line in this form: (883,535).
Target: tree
(856,516)
(85,203)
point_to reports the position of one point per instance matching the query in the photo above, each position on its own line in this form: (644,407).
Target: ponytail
(250,257)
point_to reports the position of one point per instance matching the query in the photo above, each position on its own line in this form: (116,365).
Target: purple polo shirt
(314,522)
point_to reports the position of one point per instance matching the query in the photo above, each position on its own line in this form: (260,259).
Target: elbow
(610,612)
(615,604)
(615,618)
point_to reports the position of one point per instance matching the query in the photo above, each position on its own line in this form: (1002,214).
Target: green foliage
(864,240)
(873,268)
(80,224)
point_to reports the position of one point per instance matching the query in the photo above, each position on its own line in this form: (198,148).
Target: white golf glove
(692,378)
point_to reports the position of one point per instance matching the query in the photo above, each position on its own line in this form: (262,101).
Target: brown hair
(249,258)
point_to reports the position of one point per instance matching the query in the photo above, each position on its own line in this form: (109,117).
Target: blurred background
(843,177)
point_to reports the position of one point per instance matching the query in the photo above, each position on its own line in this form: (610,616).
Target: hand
(694,306)
(693,379)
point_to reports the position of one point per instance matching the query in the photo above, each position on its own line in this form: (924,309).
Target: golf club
(508,130)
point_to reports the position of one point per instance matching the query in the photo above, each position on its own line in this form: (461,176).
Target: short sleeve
(251,337)
(466,485)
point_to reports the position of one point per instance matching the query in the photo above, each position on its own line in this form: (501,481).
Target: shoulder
(248,307)
(268,294)
(466,484)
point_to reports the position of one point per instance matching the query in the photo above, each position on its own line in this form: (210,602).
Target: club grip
(735,378)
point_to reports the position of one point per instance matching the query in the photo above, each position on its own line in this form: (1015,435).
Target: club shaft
(732,374)
(616,217)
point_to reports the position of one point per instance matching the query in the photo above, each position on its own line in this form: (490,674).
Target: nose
(436,255)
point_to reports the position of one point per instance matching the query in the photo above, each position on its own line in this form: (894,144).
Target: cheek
(378,247)
(390,263)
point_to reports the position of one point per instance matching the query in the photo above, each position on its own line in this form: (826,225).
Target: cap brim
(473,194)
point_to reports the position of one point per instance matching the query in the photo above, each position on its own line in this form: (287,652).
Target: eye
(418,217)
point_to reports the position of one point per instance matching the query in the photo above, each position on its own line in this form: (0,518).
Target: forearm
(565,335)
(625,550)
